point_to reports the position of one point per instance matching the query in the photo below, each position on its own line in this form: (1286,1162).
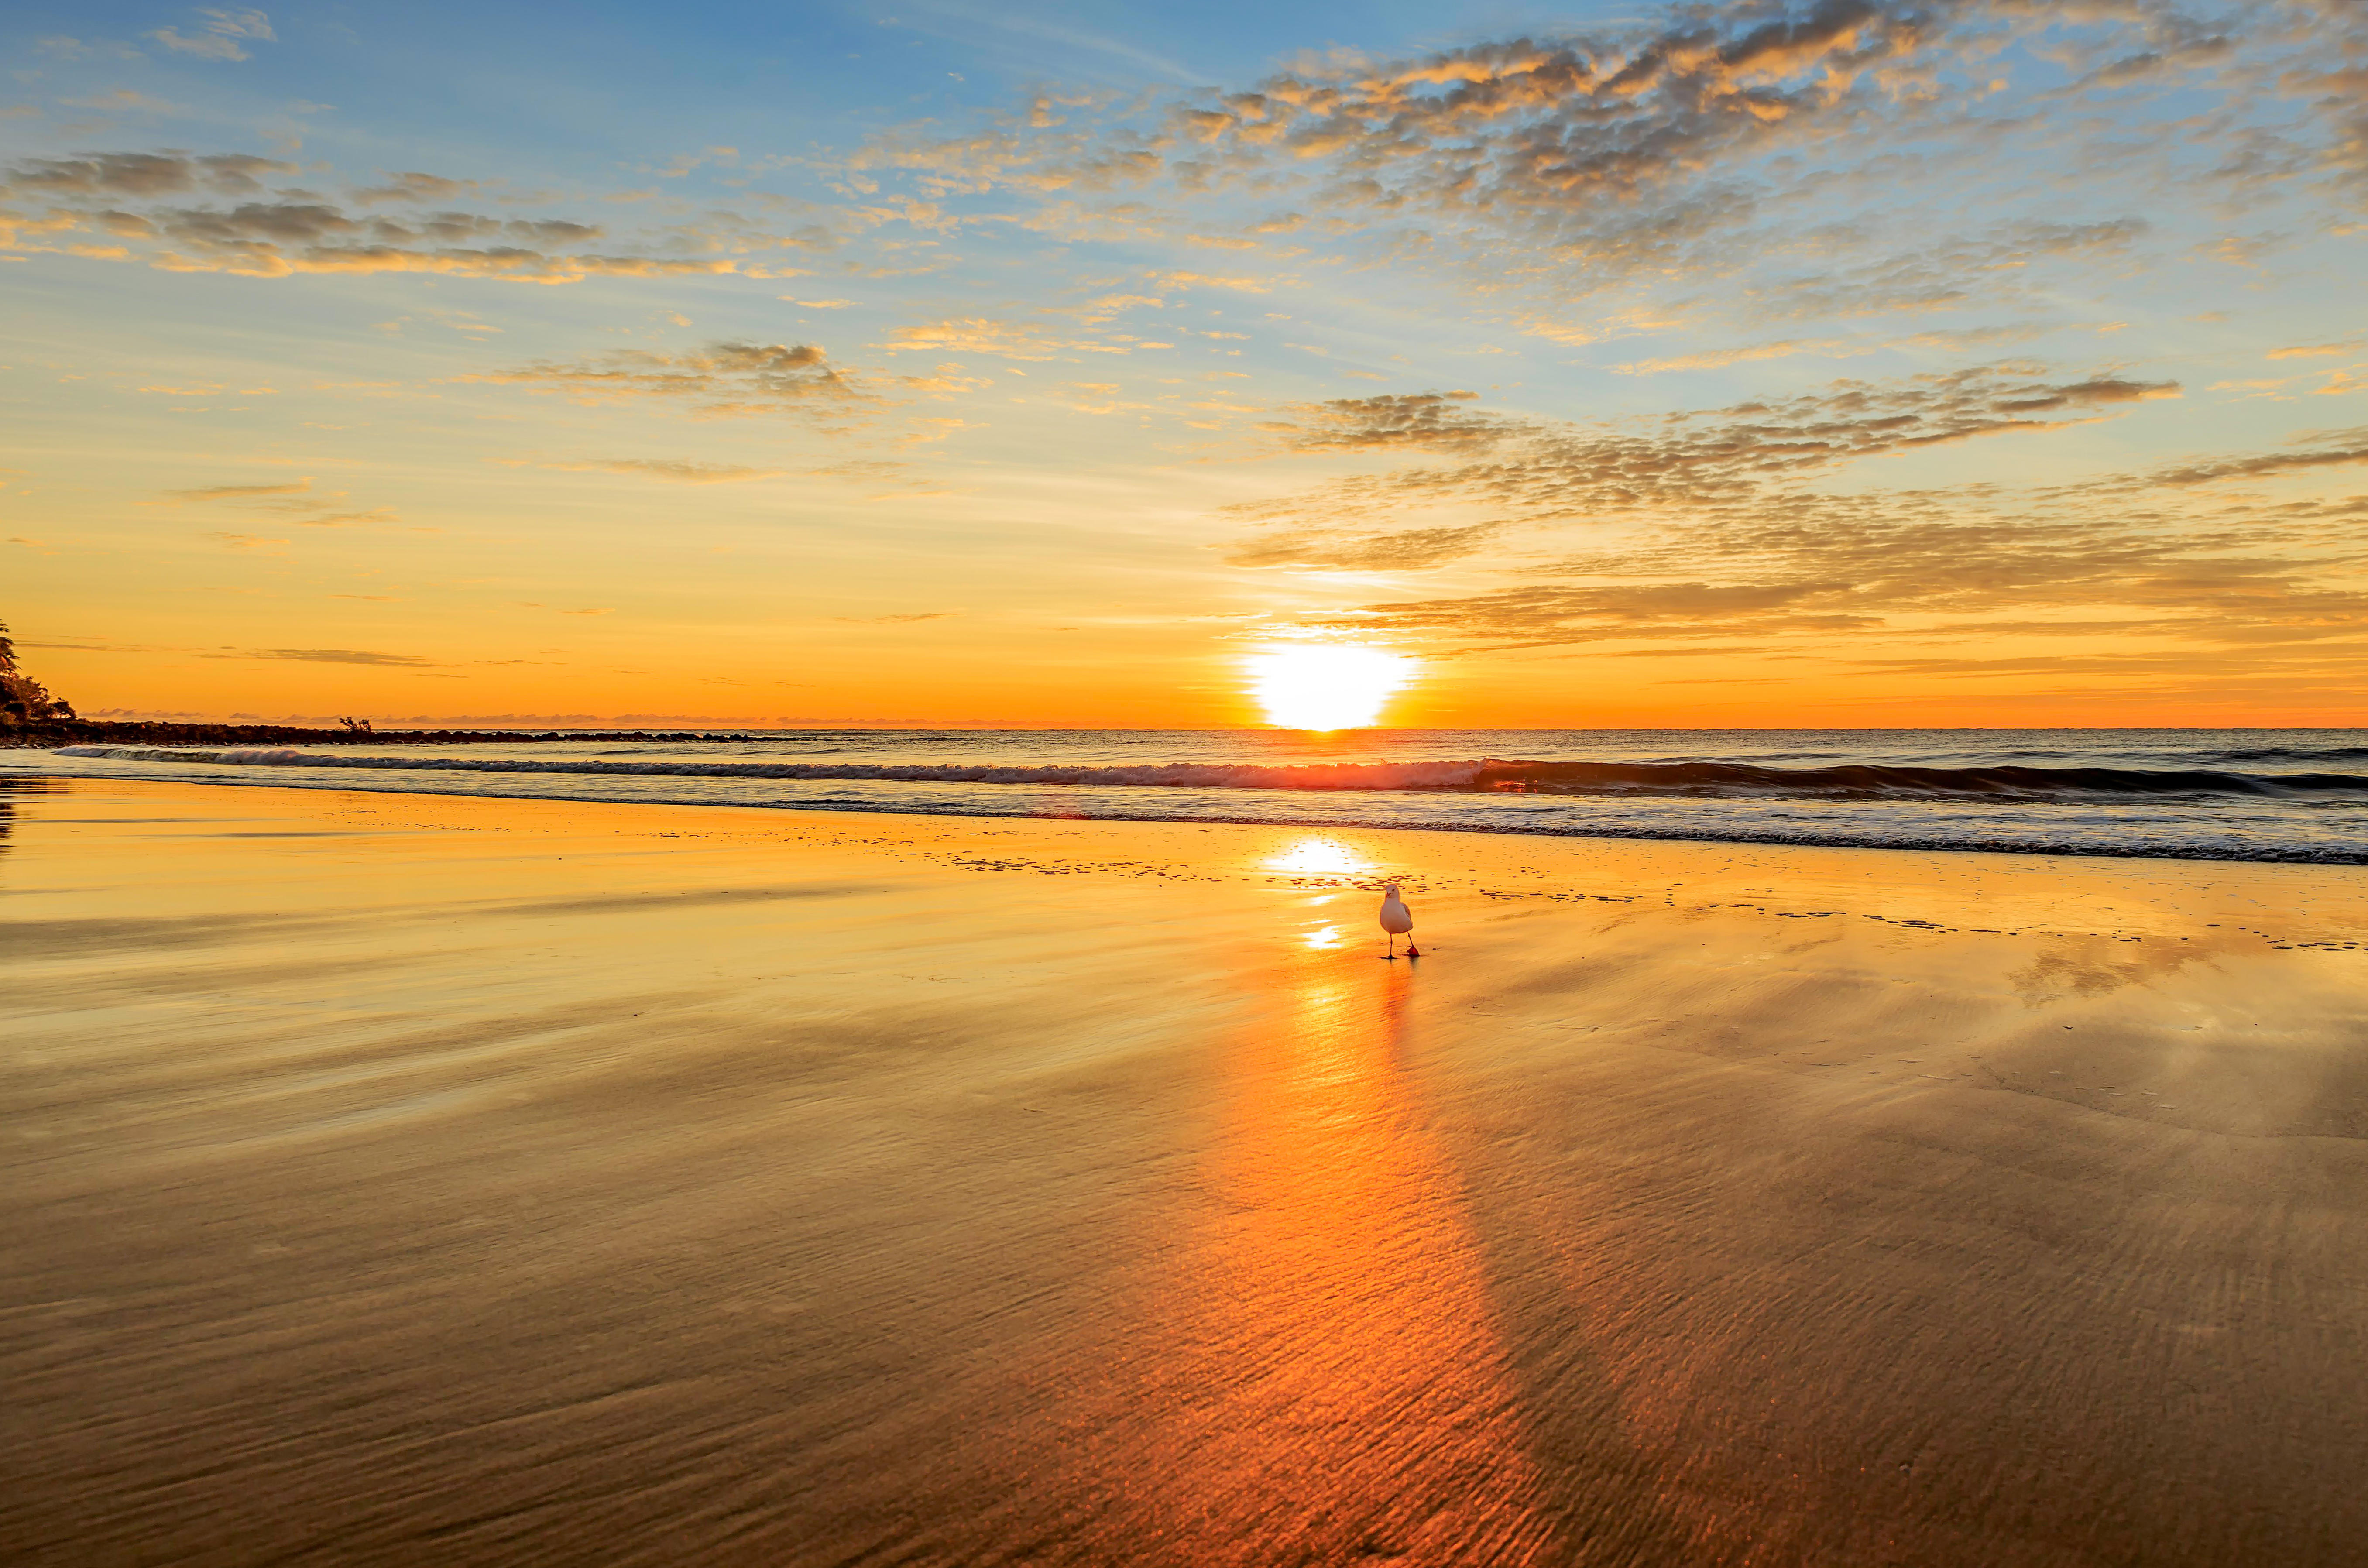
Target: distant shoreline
(90,731)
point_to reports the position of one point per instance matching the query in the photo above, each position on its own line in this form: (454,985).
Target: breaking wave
(1698,779)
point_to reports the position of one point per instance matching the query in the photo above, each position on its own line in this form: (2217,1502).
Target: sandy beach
(396,1179)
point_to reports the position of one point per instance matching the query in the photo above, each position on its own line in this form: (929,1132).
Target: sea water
(2294,795)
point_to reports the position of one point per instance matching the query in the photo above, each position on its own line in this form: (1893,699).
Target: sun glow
(1326,685)
(1318,856)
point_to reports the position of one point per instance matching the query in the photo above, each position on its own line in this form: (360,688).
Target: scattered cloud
(417,188)
(1720,358)
(720,381)
(291,231)
(242,491)
(220,35)
(680,471)
(1403,550)
(339,657)
(1700,525)
(1543,469)
(2320,350)
(143,174)
(1025,341)
(1208,280)
(124,100)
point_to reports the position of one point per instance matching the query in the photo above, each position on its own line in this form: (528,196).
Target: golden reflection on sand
(1346,1390)
(483,1181)
(1317,858)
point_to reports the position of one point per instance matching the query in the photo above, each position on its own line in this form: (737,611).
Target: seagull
(1397,920)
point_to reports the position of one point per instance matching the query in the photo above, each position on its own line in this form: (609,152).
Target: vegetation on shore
(23,699)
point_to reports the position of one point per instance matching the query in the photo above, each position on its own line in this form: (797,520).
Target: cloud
(1702,524)
(1023,341)
(1747,162)
(1838,577)
(1542,470)
(897,620)
(1404,549)
(205,46)
(680,471)
(223,29)
(340,656)
(1428,422)
(2337,450)
(2317,350)
(293,500)
(1954,272)
(123,195)
(415,188)
(724,379)
(1207,280)
(1720,358)
(242,491)
(142,175)
(124,100)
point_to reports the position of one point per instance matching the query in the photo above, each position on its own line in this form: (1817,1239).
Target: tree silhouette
(23,699)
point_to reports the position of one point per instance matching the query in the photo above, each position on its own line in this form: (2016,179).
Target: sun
(1326,685)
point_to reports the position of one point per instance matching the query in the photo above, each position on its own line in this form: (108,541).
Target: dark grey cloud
(127,196)
(416,187)
(142,175)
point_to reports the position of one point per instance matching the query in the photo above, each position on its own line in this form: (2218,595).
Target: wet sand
(395,1179)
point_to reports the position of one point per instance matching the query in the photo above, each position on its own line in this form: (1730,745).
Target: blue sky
(893,363)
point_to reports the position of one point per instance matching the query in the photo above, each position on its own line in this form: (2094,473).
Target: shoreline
(1711,837)
(490,1179)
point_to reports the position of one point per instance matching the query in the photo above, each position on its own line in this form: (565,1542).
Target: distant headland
(31,717)
(54,732)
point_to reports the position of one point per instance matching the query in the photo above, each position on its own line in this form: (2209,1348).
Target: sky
(1850,364)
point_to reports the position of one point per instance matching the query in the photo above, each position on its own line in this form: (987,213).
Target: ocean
(2282,795)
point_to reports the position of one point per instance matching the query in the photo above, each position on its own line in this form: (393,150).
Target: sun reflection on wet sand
(1335,1385)
(1317,858)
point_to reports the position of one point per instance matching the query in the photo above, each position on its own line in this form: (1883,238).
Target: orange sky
(1967,373)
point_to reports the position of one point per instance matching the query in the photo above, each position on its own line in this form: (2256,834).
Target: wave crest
(1483,775)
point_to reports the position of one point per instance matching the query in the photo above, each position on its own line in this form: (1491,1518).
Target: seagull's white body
(1397,920)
